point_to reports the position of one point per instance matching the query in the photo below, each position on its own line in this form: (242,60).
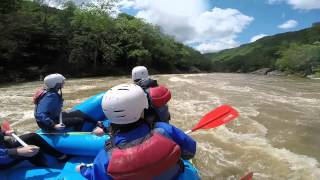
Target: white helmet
(139,72)
(124,104)
(55,81)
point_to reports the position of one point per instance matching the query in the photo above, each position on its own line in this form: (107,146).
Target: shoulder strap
(38,95)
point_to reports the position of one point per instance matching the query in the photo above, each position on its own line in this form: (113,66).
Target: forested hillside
(36,40)
(292,52)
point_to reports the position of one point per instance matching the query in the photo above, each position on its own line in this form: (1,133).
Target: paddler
(135,150)
(158,96)
(12,153)
(48,107)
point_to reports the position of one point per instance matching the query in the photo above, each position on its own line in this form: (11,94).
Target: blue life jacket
(48,110)
(4,155)
(99,169)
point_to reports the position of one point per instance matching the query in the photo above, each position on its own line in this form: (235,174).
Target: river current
(277,135)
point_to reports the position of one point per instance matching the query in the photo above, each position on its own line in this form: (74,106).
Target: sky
(214,25)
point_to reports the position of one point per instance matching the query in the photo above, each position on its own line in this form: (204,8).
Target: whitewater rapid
(276,135)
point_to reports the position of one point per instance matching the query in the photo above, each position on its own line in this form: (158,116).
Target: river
(277,135)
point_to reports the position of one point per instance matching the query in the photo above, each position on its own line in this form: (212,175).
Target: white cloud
(217,45)
(299,4)
(275,1)
(126,4)
(288,24)
(256,37)
(189,22)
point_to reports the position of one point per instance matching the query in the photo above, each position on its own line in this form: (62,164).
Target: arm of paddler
(6,155)
(187,144)
(102,128)
(85,170)
(98,169)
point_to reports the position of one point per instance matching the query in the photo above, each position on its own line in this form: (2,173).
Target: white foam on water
(178,79)
(74,101)
(194,107)
(260,130)
(27,115)
(87,87)
(16,116)
(312,102)
(205,93)
(309,101)
(237,88)
(194,75)
(248,111)
(265,176)
(296,162)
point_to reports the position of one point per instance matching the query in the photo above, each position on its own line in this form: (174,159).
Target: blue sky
(214,25)
(268,16)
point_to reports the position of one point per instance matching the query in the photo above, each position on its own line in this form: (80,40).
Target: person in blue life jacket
(48,107)
(135,150)
(158,96)
(12,153)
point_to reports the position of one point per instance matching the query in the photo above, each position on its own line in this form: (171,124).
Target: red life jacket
(159,95)
(146,160)
(38,95)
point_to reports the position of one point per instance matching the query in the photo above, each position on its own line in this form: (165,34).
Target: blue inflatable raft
(83,146)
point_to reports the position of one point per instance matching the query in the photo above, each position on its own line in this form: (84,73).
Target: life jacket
(153,156)
(147,83)
(38,95)
(159,96)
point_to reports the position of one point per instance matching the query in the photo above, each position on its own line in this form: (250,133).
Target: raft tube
(84,147)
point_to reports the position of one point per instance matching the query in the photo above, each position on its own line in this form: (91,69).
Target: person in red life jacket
(12,153)
(48,109)
(158,96)
(135,150)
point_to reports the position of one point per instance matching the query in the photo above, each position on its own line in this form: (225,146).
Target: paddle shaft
(60,118)
(65,133)
(19,140)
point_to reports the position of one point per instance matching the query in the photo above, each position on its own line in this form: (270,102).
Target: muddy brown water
(277,135)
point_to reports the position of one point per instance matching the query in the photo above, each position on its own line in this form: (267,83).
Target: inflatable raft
(83,146)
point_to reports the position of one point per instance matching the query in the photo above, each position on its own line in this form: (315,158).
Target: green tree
(300,58)
(7,6)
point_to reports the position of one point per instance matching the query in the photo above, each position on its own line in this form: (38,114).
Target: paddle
(64,133)
(60,118)
(247,177)
(6,126)
(216,117)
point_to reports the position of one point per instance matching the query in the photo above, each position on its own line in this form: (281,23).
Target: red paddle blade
(5,126)
(247,177)
(221,115)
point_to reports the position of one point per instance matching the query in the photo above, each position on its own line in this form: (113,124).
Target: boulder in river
(262,71)
(194,70)
(276,73)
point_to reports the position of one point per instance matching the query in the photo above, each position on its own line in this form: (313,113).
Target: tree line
(292,52)
(37,39)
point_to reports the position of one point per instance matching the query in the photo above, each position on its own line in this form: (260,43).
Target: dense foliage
(292,52)
(36,40)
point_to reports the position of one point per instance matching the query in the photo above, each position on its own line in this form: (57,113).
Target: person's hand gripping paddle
(6,127)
